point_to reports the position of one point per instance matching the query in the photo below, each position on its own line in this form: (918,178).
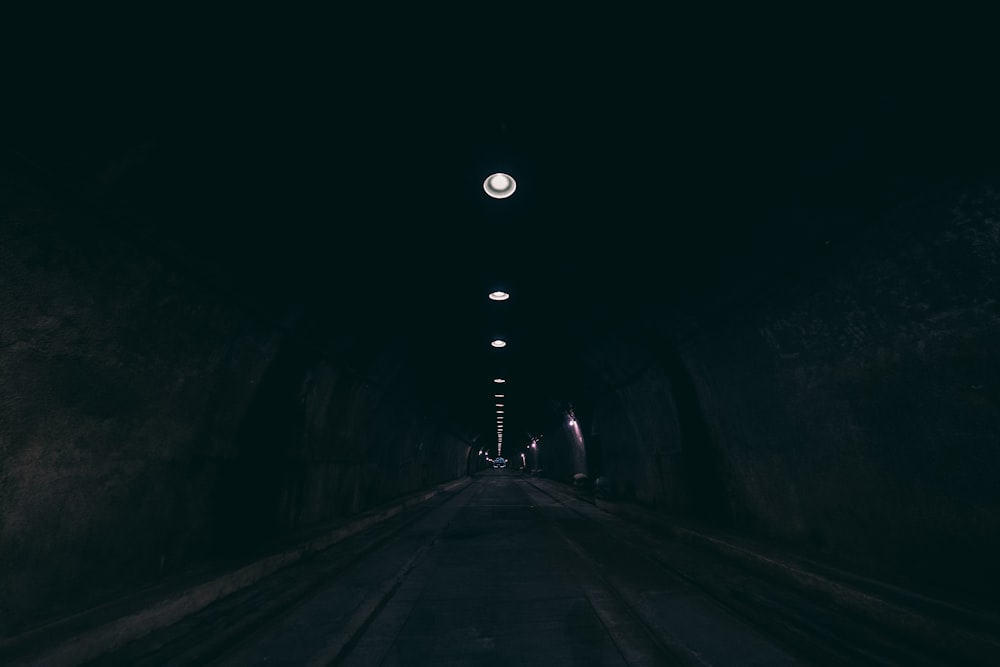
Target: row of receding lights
(498,343)
(499,186)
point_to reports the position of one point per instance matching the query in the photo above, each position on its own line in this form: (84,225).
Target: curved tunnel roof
(647,200)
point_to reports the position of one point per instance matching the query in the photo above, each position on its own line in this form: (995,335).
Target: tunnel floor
(514,570)
(505,574)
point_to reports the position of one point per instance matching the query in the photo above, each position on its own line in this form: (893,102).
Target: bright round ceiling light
(499,185)
(499,343)
(499,380)
(499,296)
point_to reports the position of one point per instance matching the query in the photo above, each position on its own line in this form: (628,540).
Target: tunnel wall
(858,408)
(149,423)
(633,423)
(654,448)
(638,431)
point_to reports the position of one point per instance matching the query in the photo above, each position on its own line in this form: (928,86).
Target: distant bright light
(499,380)
(498,395)
(499,405)
(499,185)
(499,412)
(499,296)
(499,343)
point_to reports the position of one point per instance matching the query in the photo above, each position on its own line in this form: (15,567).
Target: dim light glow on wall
(499,296)
(499,185)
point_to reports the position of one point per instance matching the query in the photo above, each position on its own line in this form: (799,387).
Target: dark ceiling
(339,176)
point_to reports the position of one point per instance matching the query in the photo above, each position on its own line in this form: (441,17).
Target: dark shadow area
(700,459)
(246,495)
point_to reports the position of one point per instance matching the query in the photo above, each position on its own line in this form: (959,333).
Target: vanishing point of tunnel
(628,343)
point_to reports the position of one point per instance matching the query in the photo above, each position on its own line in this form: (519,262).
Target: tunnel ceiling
(341,185)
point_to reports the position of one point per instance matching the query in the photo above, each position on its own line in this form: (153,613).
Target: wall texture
(147,423)
(859,413)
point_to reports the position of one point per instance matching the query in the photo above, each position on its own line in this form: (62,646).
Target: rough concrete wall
(117,380)
(147,423)
(860,416)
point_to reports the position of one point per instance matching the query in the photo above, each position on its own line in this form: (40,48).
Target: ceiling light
(499,405)
(499,380)
(498,343)
(497,395)
(499,296)
(499,185)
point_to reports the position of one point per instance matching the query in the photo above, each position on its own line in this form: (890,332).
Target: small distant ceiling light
(499,185)
(499,380)
(498,395)
(499,405)
(499,296)
(499,343)
(499,412)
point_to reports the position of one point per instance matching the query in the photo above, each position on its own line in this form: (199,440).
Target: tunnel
(678,348)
